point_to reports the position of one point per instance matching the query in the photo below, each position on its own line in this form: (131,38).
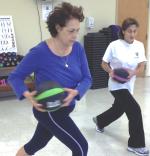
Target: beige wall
(26,20)
(148,47)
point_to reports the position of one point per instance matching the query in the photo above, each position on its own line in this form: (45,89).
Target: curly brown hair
(61,14)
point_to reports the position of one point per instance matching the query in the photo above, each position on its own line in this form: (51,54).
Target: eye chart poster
(7,35)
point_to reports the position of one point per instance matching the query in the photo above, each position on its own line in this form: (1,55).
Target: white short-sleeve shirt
(119,53)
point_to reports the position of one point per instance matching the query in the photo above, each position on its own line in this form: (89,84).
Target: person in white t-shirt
(128,53)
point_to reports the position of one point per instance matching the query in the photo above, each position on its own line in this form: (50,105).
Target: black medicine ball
(120,75)
(50,94)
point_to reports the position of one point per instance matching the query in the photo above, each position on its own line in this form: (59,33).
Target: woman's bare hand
(30,97)
(71,94)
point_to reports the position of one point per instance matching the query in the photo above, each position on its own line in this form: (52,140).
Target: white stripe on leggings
(66,133)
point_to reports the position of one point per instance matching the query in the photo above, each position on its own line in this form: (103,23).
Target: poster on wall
(46,9)
(7,35)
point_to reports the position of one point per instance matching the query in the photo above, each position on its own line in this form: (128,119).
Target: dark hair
(62,14)
(126,24)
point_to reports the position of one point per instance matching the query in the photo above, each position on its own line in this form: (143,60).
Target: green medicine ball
(50,94)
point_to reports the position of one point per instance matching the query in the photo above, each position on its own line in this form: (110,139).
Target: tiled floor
(17,124)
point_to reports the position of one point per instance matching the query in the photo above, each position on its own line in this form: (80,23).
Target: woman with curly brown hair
(62,59)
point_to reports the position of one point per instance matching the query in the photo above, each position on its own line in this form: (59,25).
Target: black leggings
(60,125)
(125,103)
